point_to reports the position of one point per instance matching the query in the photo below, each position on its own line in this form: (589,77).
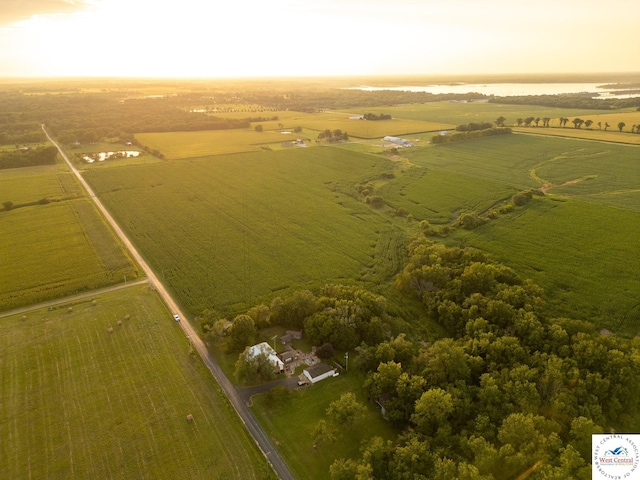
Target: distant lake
(511,89)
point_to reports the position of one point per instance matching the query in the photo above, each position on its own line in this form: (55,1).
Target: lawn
(54,243)
(227,232)
(80,402)
(291,425)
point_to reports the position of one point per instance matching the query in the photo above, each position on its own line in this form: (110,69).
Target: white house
(319,372)
(265,348)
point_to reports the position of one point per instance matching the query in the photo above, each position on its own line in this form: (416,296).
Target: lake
(511,89)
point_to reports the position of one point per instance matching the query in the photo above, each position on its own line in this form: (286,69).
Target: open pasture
(583,254)
(57,249)
(79,401)
(229,231)
(292,422)
(459,113)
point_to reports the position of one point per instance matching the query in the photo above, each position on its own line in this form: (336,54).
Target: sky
(272,38)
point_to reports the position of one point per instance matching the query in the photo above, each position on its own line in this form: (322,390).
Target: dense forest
(28,157)
(507,390)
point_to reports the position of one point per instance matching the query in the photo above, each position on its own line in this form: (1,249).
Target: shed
(319,372)
(287,356)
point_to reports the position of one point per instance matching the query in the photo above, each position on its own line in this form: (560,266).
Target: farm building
(287,356)
(319,372)
(265,348)
(398,141)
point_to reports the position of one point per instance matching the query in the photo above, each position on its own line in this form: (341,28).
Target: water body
(511,89)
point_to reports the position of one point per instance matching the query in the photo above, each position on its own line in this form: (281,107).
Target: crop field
(303,409)
(32,184)
(57,249)
(457,113)
(585,255)
(611,135)
(53,241)
(228,231)
(79,401)
(178,145)
(546,241)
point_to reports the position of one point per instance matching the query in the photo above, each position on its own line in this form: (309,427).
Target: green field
(229,231)
(80,402)
(292,423)
(54,243)
(611,135)
(459,113)
(583,249)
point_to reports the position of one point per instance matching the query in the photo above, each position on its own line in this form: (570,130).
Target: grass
(228,232)
(291,425)
(80,402)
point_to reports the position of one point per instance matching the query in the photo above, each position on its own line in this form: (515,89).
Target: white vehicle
(176,317)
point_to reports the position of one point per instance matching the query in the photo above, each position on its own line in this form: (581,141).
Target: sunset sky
(238,38)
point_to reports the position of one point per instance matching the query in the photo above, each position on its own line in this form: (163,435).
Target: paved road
(256,431)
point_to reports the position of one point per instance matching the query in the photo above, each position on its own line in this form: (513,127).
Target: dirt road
(256,431)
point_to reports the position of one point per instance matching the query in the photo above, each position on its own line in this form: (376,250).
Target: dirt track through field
(252,425)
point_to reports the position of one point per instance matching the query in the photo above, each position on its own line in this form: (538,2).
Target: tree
(577,122)
(606,125)
(323,433)
(621,125)
(519,121)
(599,125)
(433,410)
(258,128)
(243,332)
(8,205)
(325,351)
(545,121)
(588,123)
(346,411)
(537,121)
(253,368)
(500,121)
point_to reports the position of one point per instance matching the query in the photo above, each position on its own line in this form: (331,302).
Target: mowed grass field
(48,250)
(79,402)
(292,423)
(227,232)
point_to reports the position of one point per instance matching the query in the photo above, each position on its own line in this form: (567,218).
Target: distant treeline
(579,100)
(374,117)
(471,127)
(455,137)
(28,158)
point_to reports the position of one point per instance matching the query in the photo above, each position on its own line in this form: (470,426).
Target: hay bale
(127,317)
(190,418)
(70,309)
(23,318)
(119,322)
(94,303)
(110,329)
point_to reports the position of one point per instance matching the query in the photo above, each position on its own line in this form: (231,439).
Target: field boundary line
(71,298)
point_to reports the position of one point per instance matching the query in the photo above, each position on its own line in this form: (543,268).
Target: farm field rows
(53,241)
(599,183)
(585,255)
(81,402)
(226,231)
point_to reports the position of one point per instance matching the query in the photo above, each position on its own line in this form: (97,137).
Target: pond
(102,156)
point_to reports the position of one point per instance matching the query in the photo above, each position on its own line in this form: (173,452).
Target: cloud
(17,10)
